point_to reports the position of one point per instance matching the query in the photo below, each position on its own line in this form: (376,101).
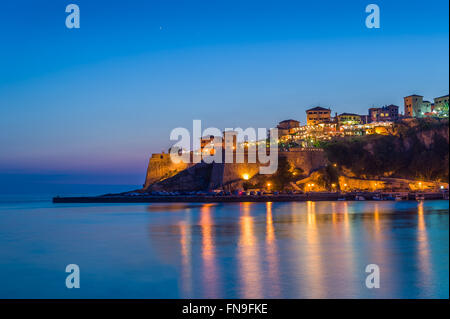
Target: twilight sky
(97,101)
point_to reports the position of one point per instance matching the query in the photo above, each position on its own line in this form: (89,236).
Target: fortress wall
(234,172)
(307,160)
(222,174)
(160,166)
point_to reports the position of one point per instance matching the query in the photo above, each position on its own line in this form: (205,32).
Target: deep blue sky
(99,100)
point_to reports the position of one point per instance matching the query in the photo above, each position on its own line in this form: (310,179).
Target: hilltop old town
(384,150)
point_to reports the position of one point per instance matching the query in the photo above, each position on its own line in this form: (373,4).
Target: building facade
(413,105)
(349,119)
(288,127)
(318,115)
(383,114)
(440,107)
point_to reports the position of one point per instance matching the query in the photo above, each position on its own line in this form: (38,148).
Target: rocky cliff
(417,150)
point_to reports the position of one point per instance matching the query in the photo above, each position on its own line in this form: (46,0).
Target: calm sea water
(236,250)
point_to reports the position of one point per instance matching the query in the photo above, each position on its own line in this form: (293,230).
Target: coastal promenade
(316,196)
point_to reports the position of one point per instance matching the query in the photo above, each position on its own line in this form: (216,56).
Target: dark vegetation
(409,153)
(327,176)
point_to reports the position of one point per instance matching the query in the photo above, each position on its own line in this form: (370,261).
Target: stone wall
(225,175)
(160,167)
(194,178)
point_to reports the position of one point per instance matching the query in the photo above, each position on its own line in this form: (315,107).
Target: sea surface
(229,250)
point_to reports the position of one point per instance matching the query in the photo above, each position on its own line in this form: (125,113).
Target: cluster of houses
(320,124)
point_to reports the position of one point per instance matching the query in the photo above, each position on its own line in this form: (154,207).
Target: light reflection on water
(236,250)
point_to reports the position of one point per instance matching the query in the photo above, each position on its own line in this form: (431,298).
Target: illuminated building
(385,113)
(318,115)
(349,119)
(207,144)
(288,127)
(440,107)
(414,106)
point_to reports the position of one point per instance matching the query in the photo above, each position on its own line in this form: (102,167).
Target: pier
(312,196)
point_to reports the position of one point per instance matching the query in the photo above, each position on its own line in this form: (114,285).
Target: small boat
(398,198)
(377,197)
(341,198)
(358,197)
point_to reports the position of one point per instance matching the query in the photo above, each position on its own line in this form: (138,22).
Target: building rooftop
(350,114)
(290,120)
(318,108)
(439,97)
(414,95)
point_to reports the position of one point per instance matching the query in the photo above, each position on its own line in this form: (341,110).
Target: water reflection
(379,250)
(186,268)
(305,250)
(172,207)
(313,255)
(349,243)
(248,256)
(233,250)
(423,250)
(272,255)
(210,273)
